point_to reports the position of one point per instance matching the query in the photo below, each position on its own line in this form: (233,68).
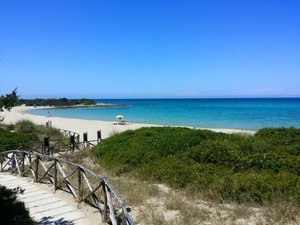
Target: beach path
(47,207)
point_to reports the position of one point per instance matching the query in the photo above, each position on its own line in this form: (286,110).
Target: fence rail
(70,143)
(69,134)
(84,184)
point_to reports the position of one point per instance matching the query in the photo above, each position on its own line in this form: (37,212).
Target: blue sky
(150,49)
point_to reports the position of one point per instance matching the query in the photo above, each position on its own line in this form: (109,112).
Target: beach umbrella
(119,117)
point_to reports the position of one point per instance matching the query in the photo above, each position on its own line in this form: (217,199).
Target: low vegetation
(262,169)
(56,102)
(10,140)
(12,211)
(24,134)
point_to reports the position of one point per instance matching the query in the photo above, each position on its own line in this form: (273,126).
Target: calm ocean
(242,113)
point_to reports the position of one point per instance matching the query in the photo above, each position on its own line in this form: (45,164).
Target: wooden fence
(84,184)
(69,144)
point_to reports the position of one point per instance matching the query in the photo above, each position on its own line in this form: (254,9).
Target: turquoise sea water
(243,113)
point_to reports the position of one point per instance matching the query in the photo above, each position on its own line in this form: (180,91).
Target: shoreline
(98,105)
(81,126)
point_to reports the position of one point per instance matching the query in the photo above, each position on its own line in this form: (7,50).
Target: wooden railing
(68,134)
(76,137)
(52,147)
(84,184)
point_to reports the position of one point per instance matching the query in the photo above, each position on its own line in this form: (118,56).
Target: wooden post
(72,141)
(78,139)
(37,169)
(80,188)
(99,136)
(55,174)
(23,164)
(1,161)
(123,217)
(85,139)
(13,163)
(46,146)
(104,213)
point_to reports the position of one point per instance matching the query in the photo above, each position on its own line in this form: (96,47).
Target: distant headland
(65,103)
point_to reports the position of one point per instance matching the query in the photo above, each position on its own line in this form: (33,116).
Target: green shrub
(279,136)
(11,140)
(263,187)
(25,126)
(261,168)
(25,134)
(37,132)
(12,211)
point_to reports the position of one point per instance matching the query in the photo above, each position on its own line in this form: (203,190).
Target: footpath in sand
(47,207)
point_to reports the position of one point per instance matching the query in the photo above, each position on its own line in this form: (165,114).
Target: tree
(1,103)
(9,100)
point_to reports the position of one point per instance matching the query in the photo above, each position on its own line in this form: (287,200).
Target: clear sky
(150,49)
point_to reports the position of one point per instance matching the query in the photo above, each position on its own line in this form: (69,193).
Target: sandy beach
(80,126)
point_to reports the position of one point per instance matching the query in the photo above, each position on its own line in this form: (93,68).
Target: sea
(225,113)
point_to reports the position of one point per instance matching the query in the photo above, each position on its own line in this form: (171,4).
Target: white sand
(80,126)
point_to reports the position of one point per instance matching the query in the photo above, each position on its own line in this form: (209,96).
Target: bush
(25,134)
(11,140)
(264,187)
(25,126)
(12,211)
(261,169)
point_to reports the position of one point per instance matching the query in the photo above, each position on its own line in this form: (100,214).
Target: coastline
(81,126)
(87,106)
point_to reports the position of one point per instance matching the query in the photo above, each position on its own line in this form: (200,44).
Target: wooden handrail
(84,184)
(68,134)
